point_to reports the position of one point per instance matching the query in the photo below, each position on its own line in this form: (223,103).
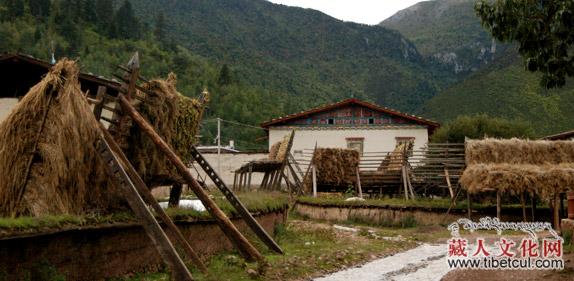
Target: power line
(234,123)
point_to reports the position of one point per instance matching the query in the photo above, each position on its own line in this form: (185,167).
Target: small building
(351,123)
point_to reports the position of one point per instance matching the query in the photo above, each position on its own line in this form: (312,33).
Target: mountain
(301,52)
(449,31)
(506,89)
(492,76)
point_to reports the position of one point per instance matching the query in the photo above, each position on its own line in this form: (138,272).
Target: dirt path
(425,262)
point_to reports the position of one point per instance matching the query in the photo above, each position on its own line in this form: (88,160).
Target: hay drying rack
(138,195)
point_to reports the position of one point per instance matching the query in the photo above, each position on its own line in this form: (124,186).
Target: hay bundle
(336,166)
(544,180)
(54,124)
(516,151)
(284,147)
(176,118)
(394,161)
(273,151)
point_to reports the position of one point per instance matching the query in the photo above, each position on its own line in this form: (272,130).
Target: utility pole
(219,145)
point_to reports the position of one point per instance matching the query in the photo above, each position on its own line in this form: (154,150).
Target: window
(330,121)
(371,120)
(356,144)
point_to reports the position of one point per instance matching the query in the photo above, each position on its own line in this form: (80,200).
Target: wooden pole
(468,206)
(498,204)
(152,228)
(556,211)
(447,177)
(144,191)
(533,204)
(247,250)
(314,174)
(359,189)
(404,182)
(523,203)
(249,177)
(175,194)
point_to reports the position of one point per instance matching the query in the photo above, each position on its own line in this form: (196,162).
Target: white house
(351,123)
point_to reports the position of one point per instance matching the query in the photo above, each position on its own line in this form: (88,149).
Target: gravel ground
(426,262)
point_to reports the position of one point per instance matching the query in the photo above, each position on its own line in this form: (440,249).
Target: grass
(435,203)
(256,202)
(311,248)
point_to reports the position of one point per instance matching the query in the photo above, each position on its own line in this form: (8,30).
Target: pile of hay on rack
(176,119)
(336,166)
(48,152)
(516,166)
(395,160)
(280,149)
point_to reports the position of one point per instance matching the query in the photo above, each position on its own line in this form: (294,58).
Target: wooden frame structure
(138,194)
(274,172)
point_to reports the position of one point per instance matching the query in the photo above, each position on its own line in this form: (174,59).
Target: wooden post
(498,204)
(314,174)
(556,211)
(403,176)
(175,194)
(144,191)
(154,231)
(247,250)
(447,177)
(249,177)
(235,181)
(523,203)
(359,189)
(264,181)
(533,204)
(468,206)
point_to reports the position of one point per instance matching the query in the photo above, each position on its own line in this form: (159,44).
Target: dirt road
(425,262)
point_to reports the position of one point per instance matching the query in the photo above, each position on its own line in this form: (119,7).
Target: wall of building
(375,139)
(229,163)
(6,105)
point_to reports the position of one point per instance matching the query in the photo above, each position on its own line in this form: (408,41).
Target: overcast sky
(361,11)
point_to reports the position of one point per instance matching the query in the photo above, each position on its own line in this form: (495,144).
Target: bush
(481,126)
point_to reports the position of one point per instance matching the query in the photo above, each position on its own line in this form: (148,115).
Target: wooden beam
(154,231)
(447,177)
(175,194)
(523,204)
(498,204)
(145,192)
(314,174)
(247,250)
(359,189)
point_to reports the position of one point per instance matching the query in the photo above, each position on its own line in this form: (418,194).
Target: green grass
(310,248)
(257,202)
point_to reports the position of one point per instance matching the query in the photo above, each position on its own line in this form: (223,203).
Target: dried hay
(66,175)
(543,180)
(273,151)
(516,166)
(336,166)
(517,151)
(283,149)
(394,161)
(176,119)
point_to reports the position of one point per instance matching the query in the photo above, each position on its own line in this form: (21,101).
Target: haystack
(394,161)
(336,166)
(273,150)
(176,118)
(517,151)
(48,152)
(516,166)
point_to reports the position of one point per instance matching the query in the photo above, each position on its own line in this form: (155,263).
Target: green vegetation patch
(257,202)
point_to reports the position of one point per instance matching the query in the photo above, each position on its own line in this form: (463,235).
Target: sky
(361,11)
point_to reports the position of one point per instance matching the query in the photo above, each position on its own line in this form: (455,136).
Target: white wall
(229,163)
(375,140)
(6,105)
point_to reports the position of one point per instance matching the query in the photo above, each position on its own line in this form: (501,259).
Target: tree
(544,30)
(14,9)
(159,30)
(224,76)
(126,24)
(481,126)
(40,9)
(105,15)
(89,11)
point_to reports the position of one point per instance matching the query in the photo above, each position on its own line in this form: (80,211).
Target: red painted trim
(431,124)
(355,139)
